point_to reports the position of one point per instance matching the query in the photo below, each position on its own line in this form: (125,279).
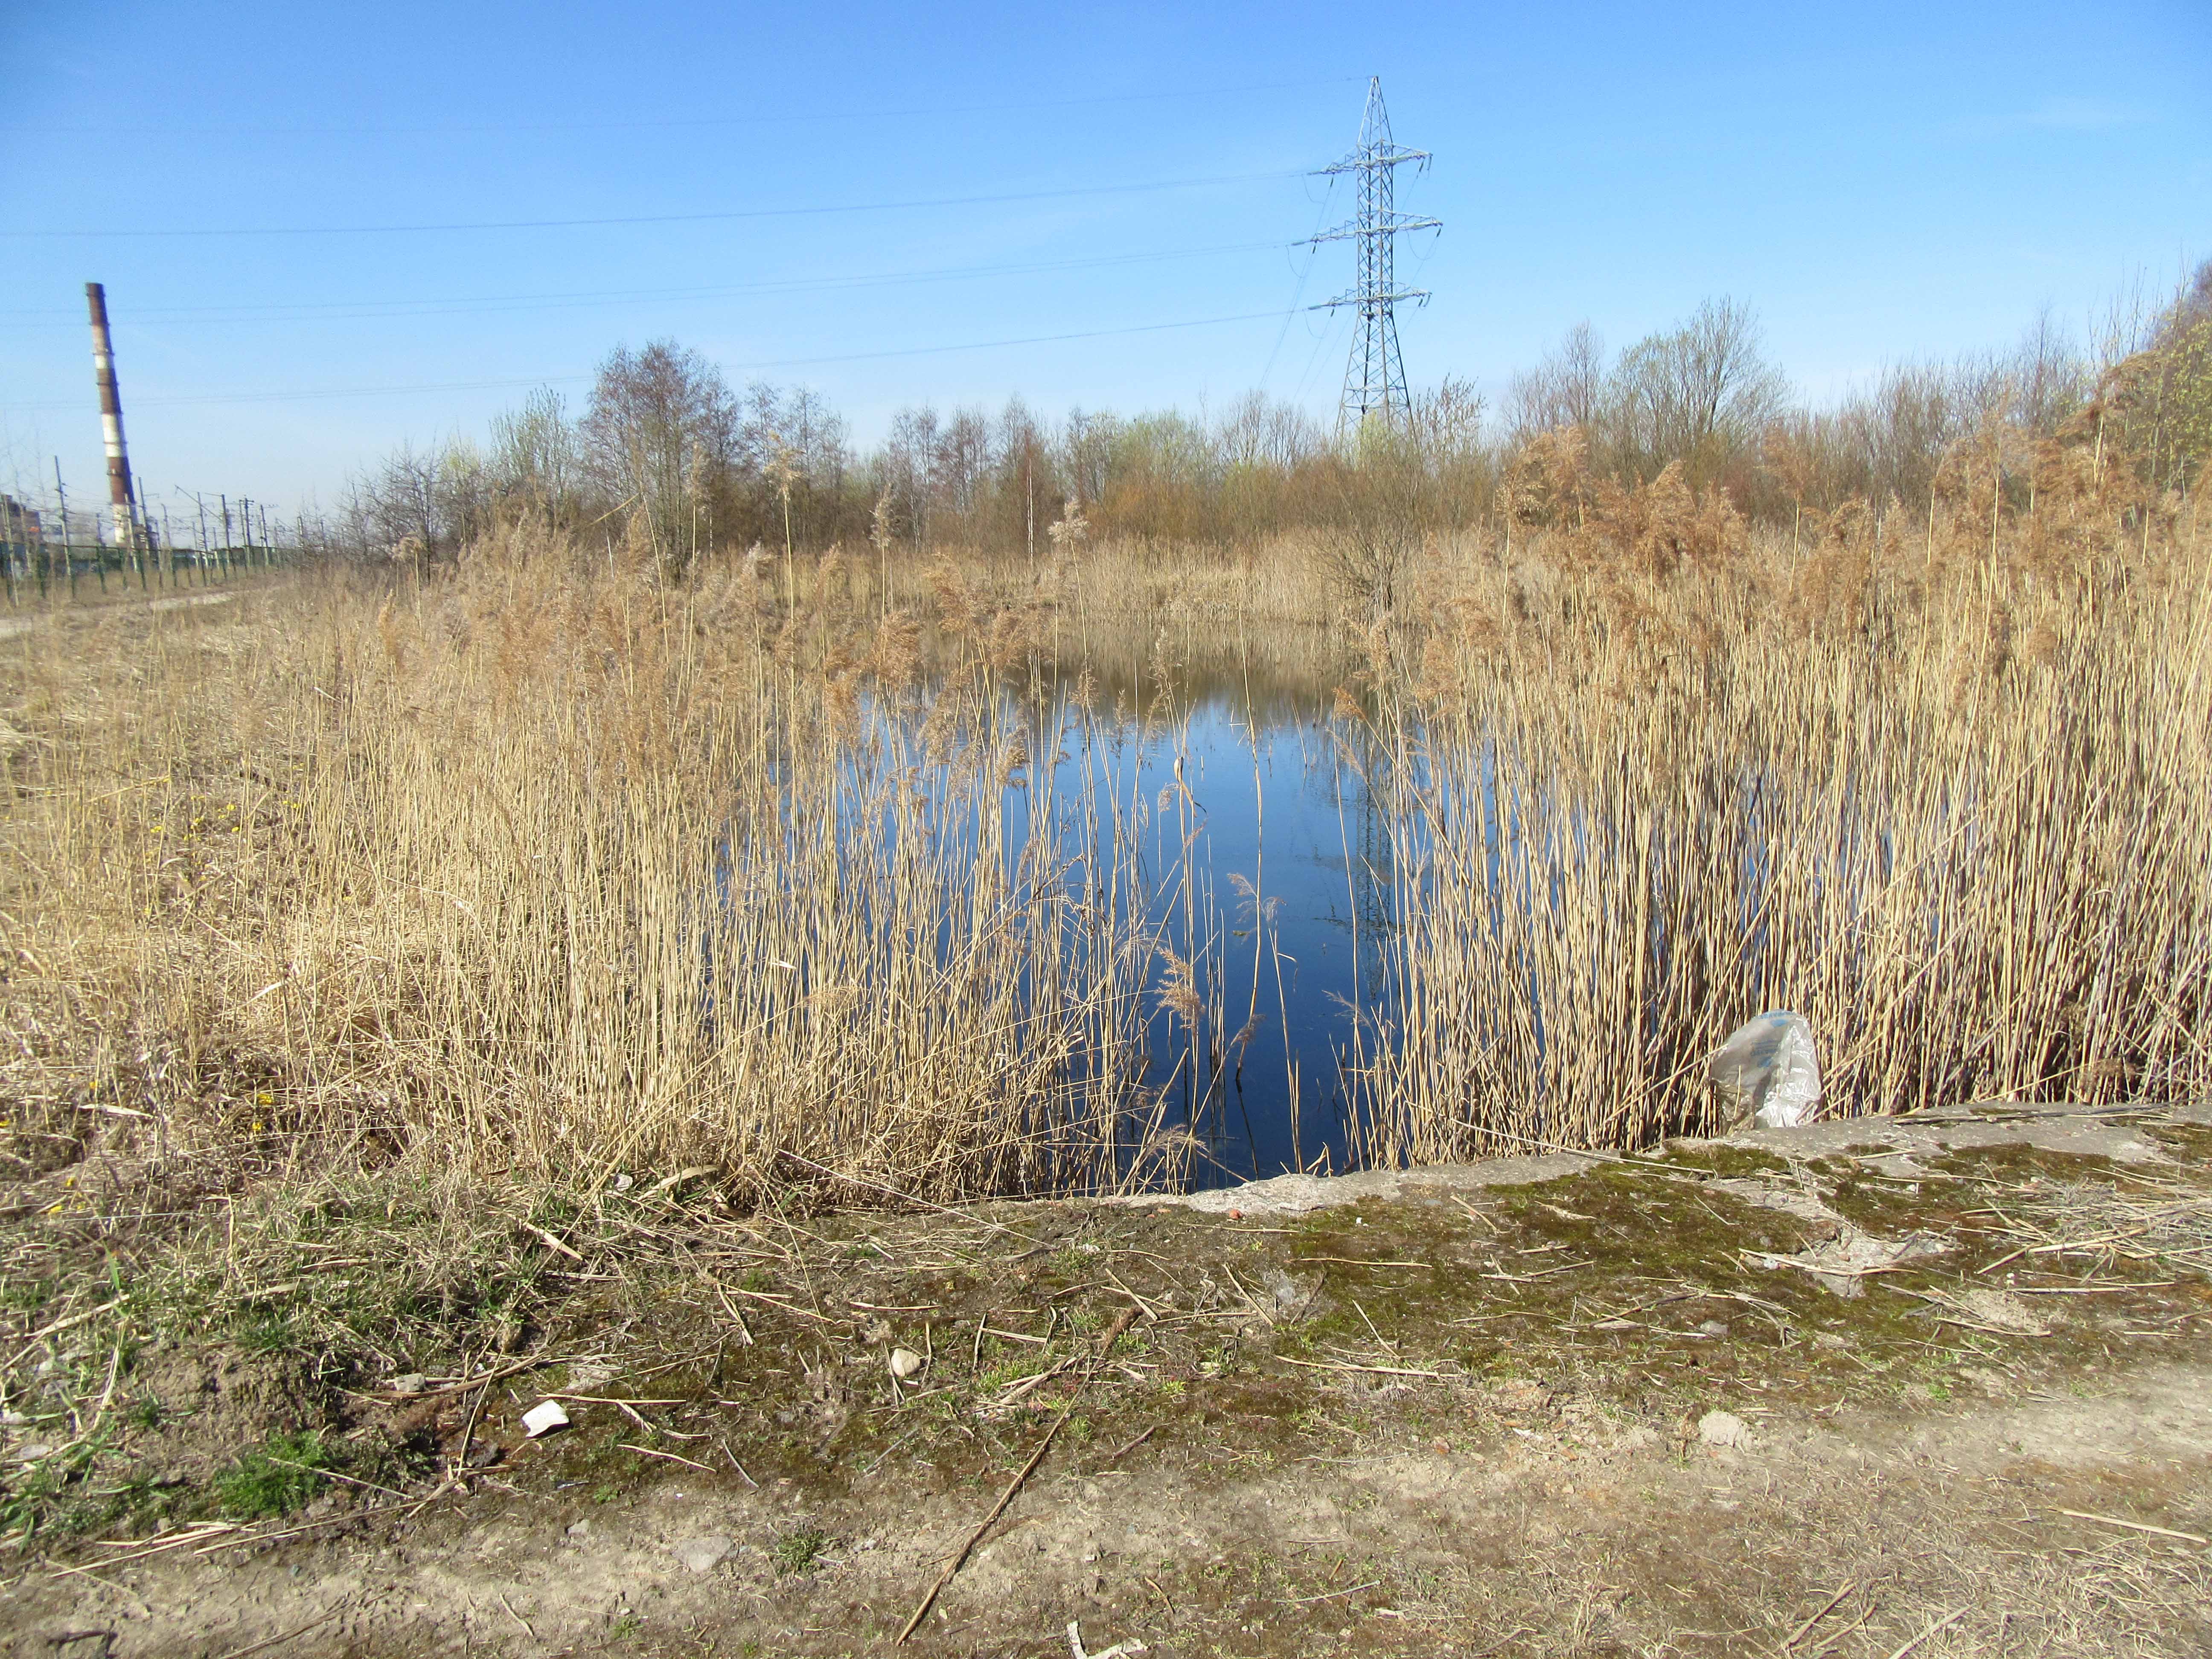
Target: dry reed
(1950,806)
(552,871)
(546,867)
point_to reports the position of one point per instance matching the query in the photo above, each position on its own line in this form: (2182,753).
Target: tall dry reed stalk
(1952,809)
(551,867)
(563,873)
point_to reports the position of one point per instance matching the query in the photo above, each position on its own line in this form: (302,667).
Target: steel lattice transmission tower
(1374,378)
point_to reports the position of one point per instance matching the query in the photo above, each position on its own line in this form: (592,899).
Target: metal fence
(49,550)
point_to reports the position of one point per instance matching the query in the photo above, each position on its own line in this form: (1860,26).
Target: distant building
(22,536)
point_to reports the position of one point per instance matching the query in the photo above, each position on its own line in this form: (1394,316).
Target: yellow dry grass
(543,867)
(1952,809)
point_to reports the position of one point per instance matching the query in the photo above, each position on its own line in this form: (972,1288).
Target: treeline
(668,460)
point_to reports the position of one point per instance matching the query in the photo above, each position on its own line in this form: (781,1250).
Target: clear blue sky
(1880,181)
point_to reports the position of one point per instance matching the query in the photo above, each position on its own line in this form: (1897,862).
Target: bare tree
(1696,394)
(420,505)
(2049,377)
(534,456)
(792,459)
(906,469)
(1566,388)
(661,430)
(1087,452)
(963,460)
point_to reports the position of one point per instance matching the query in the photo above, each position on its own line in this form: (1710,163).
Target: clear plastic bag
(1768,1071)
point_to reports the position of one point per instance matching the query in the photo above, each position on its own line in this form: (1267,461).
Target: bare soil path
(1883,1389)
(94,609)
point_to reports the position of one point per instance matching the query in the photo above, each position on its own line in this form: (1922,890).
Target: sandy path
(10,627)
(1576,1536)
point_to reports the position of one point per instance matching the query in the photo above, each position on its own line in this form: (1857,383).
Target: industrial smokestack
(110,420)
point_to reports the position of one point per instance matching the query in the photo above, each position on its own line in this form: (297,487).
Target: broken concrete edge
(1887,1145)
(1297,1195)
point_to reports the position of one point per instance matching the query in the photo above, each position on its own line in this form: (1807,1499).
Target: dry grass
(546,869)
(1948,804)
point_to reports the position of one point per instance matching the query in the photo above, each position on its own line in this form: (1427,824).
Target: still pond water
(1288,871)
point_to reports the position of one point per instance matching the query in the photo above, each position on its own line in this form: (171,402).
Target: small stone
(31,1453)
(905,1362)
(624,1182)
(700,1554)
(543,1418)
(1723,1429)
(581,1529)
(1713,1328)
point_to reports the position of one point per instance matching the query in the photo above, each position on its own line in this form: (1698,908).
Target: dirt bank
(1936,1386)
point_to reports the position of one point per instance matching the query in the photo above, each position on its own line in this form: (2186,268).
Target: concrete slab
(1886,1143)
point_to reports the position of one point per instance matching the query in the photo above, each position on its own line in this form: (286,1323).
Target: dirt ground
(1928,1387)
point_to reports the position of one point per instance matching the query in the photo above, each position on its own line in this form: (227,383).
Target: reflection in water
(1267,863)
(1180,883)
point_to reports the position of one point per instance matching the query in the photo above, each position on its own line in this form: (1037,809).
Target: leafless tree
(1566,388)
(428,501)
(661,430)
(964,458)
(1694,394)
(906,469)
(535,457)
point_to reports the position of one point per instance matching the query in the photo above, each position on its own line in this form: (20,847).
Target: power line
(768,363)
(659,218)
(478,304)
(169,129)
(1298,293)
(1034,340)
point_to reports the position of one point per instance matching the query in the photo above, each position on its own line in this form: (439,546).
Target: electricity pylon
(1374,378)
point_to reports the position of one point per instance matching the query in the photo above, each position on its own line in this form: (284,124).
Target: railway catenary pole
(119,497)
(145,522)
(156,526)
(150,560)
(69,547)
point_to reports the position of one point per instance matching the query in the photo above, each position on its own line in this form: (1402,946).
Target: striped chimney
(110,420)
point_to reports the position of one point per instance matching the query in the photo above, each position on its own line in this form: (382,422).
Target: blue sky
(1880,181)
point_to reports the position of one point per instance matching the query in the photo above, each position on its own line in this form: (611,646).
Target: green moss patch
(274,1479)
